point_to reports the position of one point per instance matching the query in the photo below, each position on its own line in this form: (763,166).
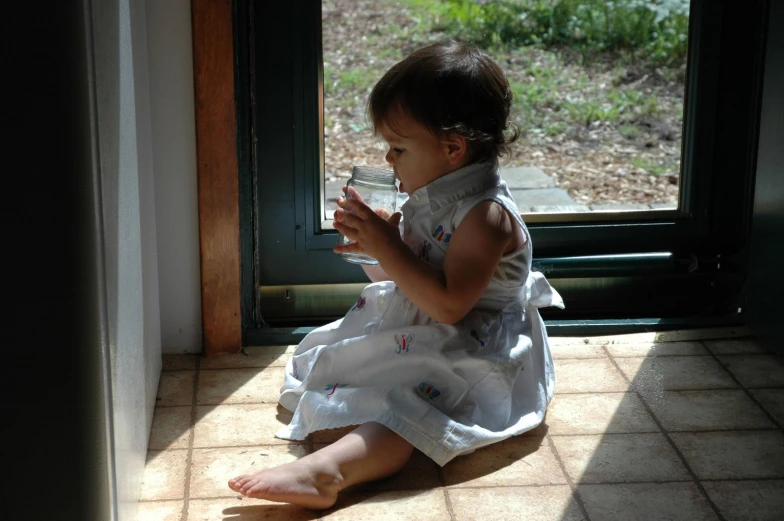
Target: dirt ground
(630,158)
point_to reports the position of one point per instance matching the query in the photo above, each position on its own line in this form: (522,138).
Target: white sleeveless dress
(447,389)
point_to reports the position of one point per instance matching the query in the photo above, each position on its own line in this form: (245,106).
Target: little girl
(445,352)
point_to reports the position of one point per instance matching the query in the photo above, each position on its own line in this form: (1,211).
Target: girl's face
(418,157)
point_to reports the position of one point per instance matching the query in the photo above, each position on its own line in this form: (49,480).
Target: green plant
(656,29)
(629,131)
(648,166)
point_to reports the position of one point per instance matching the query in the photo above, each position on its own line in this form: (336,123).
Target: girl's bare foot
(370,452)
(308,483)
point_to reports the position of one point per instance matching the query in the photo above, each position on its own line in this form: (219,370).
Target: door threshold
(652,329)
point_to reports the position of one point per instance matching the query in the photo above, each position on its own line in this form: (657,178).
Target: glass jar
(376,188)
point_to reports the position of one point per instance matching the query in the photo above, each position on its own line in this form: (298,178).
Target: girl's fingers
(350,220)
(348,231)
(348,248)
(352,193)
(358,208)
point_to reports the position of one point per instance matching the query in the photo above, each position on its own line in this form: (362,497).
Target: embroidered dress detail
(430,391)
(359,304)
(424,250)
(440,235)
(332,388)
(403,343)
(448,389)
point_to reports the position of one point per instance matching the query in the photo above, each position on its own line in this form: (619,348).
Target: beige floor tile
(171,428)
(634,338)
(733,455)
(212,468)
(773,402)
(619,458)
(661,373)
(224,386)
(756,370)
(598,414)
(648,501)
(164,475)
(735,346)
(516,461)
(180,362)
(587,376)
(667,349)
(707,410)
(549,503)
(567,340)
(239,425)
(683,335)
(175,388)
(261,350)
(578,351)
(160,511)
(748,500)
(268,357)
(420,505)
(232,509)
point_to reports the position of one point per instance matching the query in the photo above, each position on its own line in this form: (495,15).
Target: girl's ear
(456,148)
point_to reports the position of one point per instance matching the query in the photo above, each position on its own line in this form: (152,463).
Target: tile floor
(638,430)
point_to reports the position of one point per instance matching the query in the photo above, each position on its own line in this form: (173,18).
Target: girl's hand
(374,232)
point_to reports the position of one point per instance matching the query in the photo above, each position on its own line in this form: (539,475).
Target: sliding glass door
(634,168)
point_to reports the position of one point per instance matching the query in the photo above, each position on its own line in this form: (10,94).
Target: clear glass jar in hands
(366,213)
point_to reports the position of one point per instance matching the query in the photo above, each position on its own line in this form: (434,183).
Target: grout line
(732,480)
(442,482)
(449,508)
(218,404)
(572,485)
(689,355)
(229,447)
(189,459)
(751,354)
(472,487)
(669,439)
(202,404)
(603,433)
(632,390)
(748,393)
(490,487)
(706,431)
(310,445)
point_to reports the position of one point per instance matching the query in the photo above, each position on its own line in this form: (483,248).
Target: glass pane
(598,87)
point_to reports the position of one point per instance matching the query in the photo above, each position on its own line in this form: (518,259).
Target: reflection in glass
(598,88)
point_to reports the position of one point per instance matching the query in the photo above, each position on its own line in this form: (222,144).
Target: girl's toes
(237,483)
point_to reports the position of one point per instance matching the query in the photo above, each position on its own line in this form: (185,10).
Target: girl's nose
(390,157)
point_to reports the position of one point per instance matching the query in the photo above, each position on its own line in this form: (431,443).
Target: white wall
(129,226)
(174,157)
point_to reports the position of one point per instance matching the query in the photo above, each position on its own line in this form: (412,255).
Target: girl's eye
(398,150)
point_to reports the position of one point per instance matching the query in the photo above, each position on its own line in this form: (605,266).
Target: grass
(353,80)
(655,30)
(629,131)
(552,93)
(648,166)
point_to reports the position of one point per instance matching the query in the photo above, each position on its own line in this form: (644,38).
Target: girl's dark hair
(449,88)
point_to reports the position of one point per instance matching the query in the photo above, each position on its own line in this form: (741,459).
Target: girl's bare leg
(370,452)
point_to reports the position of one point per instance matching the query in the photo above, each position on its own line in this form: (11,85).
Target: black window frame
(678,268)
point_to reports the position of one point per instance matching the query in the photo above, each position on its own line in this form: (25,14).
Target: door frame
(221,66)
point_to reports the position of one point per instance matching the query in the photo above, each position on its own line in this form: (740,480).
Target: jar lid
(371,174)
